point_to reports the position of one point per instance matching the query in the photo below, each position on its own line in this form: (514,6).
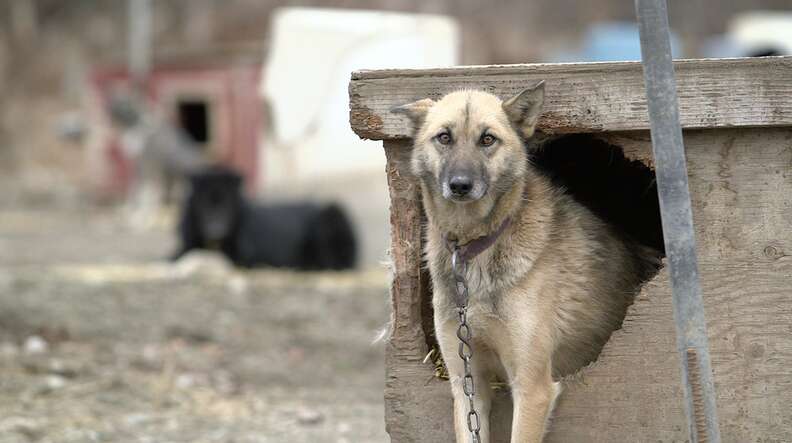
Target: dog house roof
(588,97)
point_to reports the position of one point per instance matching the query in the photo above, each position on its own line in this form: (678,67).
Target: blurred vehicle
(753,34)
(611,41)
(309,150)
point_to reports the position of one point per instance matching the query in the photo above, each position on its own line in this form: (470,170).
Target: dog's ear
(524,108)
(415,111)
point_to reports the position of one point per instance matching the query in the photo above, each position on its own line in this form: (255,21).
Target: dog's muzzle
(463,188)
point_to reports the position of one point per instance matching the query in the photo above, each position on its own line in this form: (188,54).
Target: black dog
(300,236)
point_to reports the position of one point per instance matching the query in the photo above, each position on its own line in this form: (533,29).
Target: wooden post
(407,345)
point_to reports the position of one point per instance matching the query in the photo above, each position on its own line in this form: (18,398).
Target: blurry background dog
(303,236)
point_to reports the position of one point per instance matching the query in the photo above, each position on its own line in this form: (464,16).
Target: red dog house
(217,106)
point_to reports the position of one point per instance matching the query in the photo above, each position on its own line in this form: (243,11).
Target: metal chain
(465,335)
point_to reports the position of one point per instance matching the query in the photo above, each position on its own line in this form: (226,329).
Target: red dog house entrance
(216,105)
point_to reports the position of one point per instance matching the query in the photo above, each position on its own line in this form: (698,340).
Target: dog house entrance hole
(194,119)
(621,191)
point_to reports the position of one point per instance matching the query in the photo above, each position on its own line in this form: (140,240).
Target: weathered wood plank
(588,97)
(407,338)
(741,183)
(406,375)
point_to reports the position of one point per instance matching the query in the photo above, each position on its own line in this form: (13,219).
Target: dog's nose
(460,185)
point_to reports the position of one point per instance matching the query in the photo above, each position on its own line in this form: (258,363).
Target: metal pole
(672,188)
(139,61)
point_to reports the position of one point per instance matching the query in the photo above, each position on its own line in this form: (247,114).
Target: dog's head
(216,201)
(469,145)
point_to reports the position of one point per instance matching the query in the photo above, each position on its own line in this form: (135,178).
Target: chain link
(465,335)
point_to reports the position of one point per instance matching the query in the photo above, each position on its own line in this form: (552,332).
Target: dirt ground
(101,340)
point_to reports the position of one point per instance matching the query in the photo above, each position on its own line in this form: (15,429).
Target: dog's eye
(444,138)
(487,140)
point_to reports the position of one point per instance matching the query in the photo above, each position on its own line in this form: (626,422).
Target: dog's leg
(481,378)
(534,394)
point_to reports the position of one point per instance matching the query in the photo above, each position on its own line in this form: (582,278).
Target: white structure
(762,30)
(753,33)
(309,149)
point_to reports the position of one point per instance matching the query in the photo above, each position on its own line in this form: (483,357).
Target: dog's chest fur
(558,272)
(492,280)
(485,287)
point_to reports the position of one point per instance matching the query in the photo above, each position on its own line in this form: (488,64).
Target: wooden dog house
(737,121)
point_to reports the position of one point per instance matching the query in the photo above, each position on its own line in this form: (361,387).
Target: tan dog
(547,293)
